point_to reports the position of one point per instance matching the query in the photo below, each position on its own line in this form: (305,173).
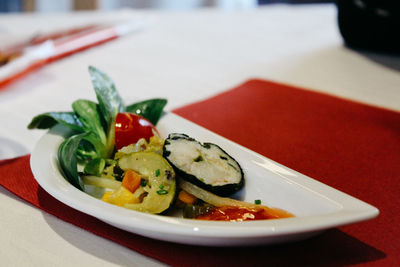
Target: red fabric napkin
(350,146)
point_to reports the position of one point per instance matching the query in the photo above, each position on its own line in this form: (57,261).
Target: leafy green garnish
(89,114)
(95,167)
(110,101)
(150,109)
(92,123)
(49,119)
(68,161)
(86,150)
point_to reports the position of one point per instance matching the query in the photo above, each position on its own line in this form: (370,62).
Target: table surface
(184,56)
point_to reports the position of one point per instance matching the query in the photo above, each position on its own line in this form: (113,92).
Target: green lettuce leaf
(150,109)
(68,160)
(49,119)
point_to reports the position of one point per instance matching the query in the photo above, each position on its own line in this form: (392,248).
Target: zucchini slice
(160,179)
(205,165)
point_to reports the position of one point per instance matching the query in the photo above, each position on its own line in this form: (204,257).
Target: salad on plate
(115,153)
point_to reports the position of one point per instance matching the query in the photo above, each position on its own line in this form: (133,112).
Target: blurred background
(72,5)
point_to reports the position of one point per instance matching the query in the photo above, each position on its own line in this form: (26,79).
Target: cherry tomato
(129,128)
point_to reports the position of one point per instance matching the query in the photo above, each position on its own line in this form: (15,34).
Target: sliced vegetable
(101,182)
(187,198)
(131,180)
(205,165)
(160,189)
(129,128)
(155,144)
(218,201)
(120,197)
(106,196)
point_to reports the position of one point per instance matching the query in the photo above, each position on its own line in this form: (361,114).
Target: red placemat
(348,145)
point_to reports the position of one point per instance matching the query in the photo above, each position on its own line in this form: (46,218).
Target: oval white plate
(317,206)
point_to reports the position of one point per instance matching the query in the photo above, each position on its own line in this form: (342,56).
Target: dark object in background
(10,6)
(370,25)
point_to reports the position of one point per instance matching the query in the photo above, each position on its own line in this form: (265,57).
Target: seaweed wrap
(205,165)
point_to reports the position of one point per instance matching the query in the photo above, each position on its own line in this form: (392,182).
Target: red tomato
(129,128)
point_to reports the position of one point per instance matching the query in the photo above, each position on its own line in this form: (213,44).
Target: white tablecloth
(182,56)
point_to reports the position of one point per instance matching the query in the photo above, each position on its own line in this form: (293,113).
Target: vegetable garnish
(130,128)
(92,124)
(205,165)
(115,153)
(224,202)
(162,192)
(186,197)
(131,180)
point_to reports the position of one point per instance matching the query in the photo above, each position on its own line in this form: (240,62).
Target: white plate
(317,206)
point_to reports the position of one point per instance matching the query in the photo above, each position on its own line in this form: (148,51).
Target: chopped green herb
(162,192)
(257,202)
(157,172)
(161,186)
(143,183)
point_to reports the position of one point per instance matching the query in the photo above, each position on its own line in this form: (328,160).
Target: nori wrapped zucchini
(205,165)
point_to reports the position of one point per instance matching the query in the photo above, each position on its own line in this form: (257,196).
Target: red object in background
(65,43)
(129,128)
(347,145)
(41,38)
